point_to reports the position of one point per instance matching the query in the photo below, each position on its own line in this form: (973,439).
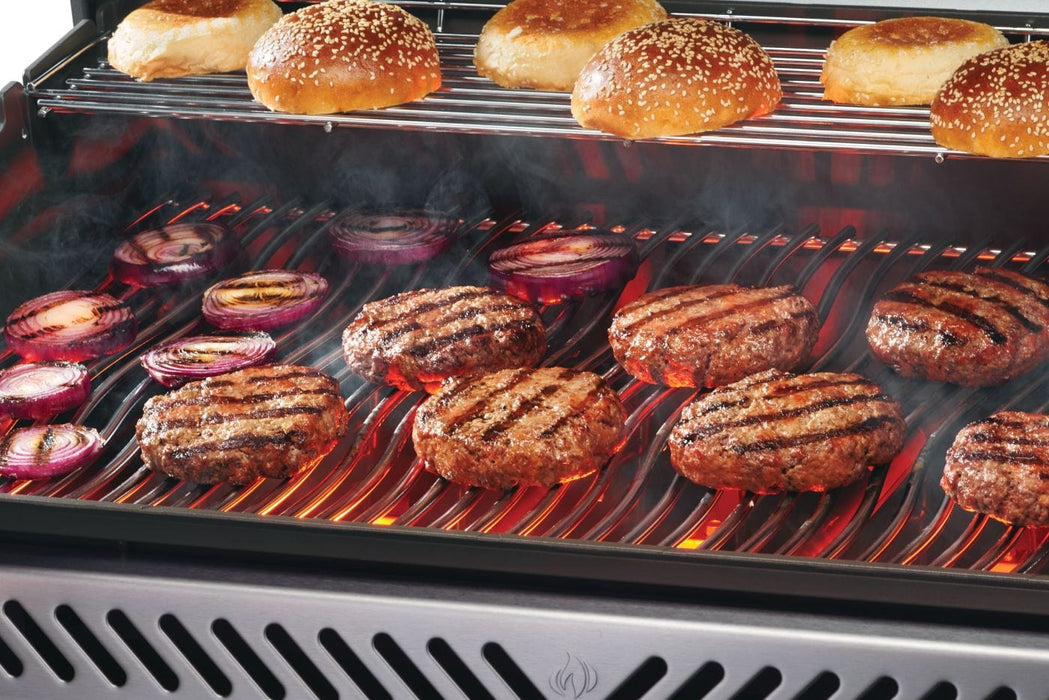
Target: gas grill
(367,575)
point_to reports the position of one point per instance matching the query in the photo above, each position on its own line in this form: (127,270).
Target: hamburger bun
(997,104)
(545,43)
(902,61)
(343,55)
(678,76)
(172,38)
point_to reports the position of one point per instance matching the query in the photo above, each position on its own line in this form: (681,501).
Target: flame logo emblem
(575,679)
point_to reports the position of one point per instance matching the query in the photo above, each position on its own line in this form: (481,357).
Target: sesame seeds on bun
(678,76)
(173,38)
(902,61)
(343,55)
(997,104)
(545,43)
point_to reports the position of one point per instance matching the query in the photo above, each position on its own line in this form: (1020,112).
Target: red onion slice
(393,238)
(48,450)
(173,253)
(41,389)
(70,325)
(187,359)
(554,268)
(263,300)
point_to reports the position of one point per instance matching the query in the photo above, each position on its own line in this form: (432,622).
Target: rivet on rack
(328,126)
(939,158)
(43,112)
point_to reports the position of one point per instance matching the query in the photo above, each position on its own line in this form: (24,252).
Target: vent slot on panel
(95,650)
(457,670)
(641,680)
(761,685)
(300,662)
(142,649)
(1002,693)
(403,666)
(822,687)
(942,691)
(195,655)
(884,688)
(352,665)
(708,677)
(9,661)
(510,672)
(40,642)
(248,659)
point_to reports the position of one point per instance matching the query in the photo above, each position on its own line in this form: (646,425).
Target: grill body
(369,576)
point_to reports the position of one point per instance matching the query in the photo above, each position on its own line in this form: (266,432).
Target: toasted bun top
(187,11)
(997,103)
(919,32)
(678,76)
(559,17)
(343,55)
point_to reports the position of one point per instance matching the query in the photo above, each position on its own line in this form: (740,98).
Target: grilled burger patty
(1000,466)
(268,421)
(709,336)
(776,431)
(415,340)
(973,329)
(520,426)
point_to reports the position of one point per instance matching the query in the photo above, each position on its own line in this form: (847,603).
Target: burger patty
(416,340)
(709,336)
(776,431)
(1000,466)
(973,329)
(267,421)
(520,426)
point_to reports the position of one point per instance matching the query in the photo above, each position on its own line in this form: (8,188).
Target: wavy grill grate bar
(896,514)
(468,103)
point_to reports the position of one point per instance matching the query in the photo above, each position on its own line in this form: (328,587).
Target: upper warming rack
(468,103)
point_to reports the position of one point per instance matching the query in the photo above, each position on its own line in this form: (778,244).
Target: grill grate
(468,103)
(897,514)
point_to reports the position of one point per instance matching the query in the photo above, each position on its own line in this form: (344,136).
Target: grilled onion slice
(48,450)
(263,300)
(173,253)
(40,389)
(70,325)
(393,238)
(553,268)
(187,359)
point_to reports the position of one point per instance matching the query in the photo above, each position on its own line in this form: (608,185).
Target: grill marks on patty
(1000,466)
(708,336)
(542,426)
(973,329)
(417,339)
(776,431)
(261,421)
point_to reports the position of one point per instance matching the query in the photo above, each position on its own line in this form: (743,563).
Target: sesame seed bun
(545,43)
(343,55)
(172,38)
(997,104)
(678,76)
(902,61)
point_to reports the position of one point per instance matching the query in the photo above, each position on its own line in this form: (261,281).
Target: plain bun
(545,43)
(902,61)
(678,76)
(997,104)
(173,38)
(343,55)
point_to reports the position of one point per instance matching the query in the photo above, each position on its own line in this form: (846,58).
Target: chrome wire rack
(468,103)
(895,514)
